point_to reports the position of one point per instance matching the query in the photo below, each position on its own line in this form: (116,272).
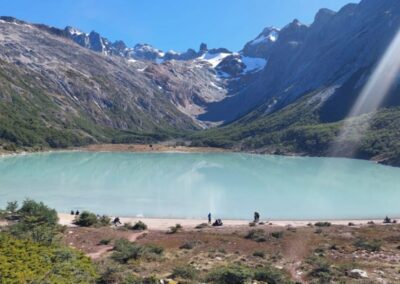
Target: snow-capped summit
(73,31)
(268,35)
(261,45)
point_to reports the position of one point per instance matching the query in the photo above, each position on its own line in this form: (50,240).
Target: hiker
(387,220)
(77,212)
(217,223)
(72,212)
(209,218)
(256,217)
(117,221)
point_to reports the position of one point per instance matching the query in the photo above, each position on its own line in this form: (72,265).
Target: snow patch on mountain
(213,58)
(253,64)
(272,36)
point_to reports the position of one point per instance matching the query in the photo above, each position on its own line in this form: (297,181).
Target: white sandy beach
(164,224)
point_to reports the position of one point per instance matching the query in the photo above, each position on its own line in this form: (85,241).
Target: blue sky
(172,24)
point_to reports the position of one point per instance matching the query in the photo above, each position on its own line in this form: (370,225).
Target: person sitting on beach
(387,220)
(217,223)
(256,217)
(77,212)
(116,221)
(209,218)
(72,212)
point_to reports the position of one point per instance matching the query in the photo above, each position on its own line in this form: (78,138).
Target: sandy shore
(146,148)
(164,224)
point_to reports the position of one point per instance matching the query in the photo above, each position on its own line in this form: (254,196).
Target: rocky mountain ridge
(143,89)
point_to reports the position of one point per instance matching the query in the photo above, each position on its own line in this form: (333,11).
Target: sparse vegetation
(25,261)
(36,222)
(139,226)
(234,274)
(125,250)
(322,271)
(89,219)
(86,219)
(202,226)
(174,229)
(12,207)
(105,242)
(277,235)
(257,235)
(184,272)
(322,224)
(369,245)
(218,257)
(30,251)
(189,245)
(260,254)
(241,274)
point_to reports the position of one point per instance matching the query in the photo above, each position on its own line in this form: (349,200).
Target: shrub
(24,261)
(139,226)
(154,249)
(89,219)
(111,272)
(257,235)
(12,207)
(104,221)
(125,250)
(35,213)
(260,254)
(10,147)
(234,274)
(270,275)
(322,271)
(184,272)
(127,226)
(104,242)
(202,226)
(175,229)
(36,222)
(241,274)
(86,219)
(188,245)
(322,224)
(277,235)
(369,245)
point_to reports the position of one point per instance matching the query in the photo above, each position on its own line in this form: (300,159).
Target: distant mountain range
(286,91)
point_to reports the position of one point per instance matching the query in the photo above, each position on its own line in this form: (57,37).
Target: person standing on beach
(256,217)
(209,218)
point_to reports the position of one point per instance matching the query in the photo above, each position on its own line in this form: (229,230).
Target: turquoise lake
(230,185)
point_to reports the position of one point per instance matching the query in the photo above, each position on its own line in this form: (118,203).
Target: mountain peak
(323,15)
(73,31)
(203,48)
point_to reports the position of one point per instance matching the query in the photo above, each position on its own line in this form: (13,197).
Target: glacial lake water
(181,185)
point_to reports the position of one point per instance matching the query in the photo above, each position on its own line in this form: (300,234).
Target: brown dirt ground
(293,252)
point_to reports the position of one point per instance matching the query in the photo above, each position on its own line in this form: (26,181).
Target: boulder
(358,273)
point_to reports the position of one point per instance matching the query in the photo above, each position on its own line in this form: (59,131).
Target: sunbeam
(369,100)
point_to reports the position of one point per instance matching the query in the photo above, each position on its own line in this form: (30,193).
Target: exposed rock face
(112,83)
(67,83)
(232,65)
(262,45)
(338,49)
